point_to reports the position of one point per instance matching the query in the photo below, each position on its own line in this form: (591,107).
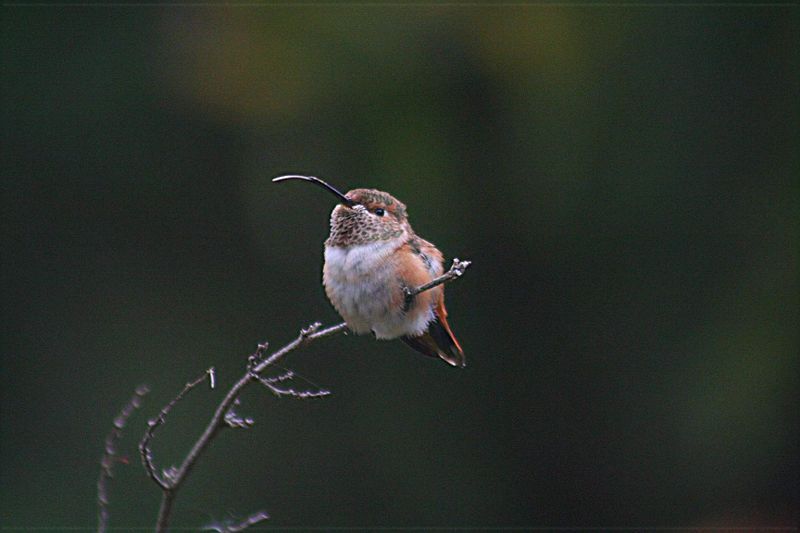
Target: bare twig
(251,520)
(233,420)
(153,424)
(280,377)
(271,384)
(311,333)
(457,269)
(110,456)
(218,419)
(223,416)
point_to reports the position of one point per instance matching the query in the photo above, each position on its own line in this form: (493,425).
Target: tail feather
(438,341)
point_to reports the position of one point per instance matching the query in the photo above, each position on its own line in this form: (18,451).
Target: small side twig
(110,458)
(272,384)
(457,269)
(223,416)
(233,420)
(307,335)
(241,525)
(154,423)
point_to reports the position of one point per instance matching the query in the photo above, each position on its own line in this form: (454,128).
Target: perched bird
(372,259)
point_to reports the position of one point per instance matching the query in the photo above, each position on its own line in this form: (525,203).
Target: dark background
(625,180)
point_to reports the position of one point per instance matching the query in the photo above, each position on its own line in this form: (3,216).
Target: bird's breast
(359,281)
(354,263)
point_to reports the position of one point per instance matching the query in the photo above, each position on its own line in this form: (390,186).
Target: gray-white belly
(361,283)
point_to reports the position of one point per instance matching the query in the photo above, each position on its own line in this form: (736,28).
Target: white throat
(348,263)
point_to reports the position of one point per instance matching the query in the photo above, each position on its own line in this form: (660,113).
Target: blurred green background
(625,180)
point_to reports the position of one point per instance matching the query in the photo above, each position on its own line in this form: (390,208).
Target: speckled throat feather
(358,224)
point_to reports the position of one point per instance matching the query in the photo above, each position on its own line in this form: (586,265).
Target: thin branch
(217,422)
(110,458)
(153,424)
(222,417)
(457,269)
(218,419)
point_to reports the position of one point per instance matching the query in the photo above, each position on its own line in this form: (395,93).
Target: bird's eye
(380,212)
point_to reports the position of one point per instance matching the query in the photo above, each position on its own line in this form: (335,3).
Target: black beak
(311,179)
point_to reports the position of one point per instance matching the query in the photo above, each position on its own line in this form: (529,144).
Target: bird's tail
(438,341)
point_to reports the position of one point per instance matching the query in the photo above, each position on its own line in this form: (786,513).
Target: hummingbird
(372,258)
